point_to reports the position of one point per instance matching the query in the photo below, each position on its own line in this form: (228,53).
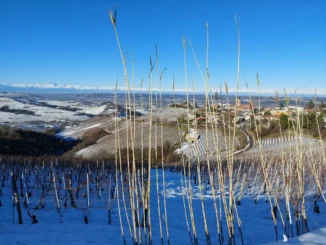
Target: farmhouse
(200,119)
(296,109)
(271,117)
(193,136)
(243,107)
(278,112)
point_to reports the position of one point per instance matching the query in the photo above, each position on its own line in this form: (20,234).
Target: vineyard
(285,142)
(210,142)
(52,193)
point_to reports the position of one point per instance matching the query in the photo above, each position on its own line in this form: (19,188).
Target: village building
(271,117)
(192,136)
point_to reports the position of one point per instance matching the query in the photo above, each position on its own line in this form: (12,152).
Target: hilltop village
(243,112)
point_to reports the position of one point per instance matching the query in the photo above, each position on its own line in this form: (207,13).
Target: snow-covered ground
(47,113)
(257,225)
(316,237)
(82,108)
(77,131)
(41,113)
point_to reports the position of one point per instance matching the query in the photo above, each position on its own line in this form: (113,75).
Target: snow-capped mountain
(54,87)
(67,88)
(51,87)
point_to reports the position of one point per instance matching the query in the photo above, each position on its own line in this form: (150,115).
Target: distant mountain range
(50,87)
(54,87)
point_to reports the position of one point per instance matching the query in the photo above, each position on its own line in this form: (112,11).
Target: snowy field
(46,113)
(89,109)
(316,237)
(257,224)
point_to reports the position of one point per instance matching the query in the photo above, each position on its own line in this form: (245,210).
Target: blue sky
(73,42)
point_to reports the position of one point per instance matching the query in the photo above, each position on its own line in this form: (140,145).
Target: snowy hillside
(22,110)
(40,113)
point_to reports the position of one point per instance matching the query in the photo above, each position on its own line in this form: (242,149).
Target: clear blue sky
(73,42)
